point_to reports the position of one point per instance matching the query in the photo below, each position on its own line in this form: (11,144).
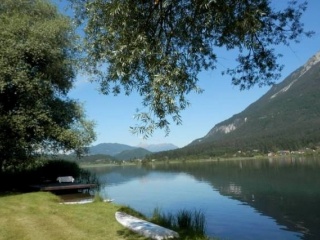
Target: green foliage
(54,168)
(37,69)
(157,48)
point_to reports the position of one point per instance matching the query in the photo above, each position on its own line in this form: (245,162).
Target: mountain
(158,147)
(132,154)
(286,117)
(126,152)
(111,149)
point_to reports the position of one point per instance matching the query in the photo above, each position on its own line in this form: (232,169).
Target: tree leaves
(37,69)
(157,48)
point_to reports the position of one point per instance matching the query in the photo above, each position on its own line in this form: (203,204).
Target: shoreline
(161,162)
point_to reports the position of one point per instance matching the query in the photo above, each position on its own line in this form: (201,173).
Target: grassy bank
(38,216)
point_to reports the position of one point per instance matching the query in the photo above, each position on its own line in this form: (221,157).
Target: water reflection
(285,191)
(288,190)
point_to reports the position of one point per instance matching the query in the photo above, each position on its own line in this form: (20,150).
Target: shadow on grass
(8,194)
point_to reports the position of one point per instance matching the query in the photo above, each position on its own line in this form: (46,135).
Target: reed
(162,219)
(186,223)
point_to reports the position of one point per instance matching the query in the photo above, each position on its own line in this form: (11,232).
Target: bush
(55,168)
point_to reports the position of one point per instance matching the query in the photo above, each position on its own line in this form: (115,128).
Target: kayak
(145,228)
(86,201)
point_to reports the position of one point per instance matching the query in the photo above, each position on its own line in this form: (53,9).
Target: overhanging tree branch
(173,40)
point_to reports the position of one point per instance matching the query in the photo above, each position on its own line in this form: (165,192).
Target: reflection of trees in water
(287,190)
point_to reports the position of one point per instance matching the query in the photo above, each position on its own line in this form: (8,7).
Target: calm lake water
(248,199)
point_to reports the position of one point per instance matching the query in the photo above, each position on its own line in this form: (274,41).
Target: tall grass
(186,223)
(162,219)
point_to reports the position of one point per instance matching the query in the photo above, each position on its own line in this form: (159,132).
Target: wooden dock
(54,187)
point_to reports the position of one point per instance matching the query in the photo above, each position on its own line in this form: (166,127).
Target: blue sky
(219,101)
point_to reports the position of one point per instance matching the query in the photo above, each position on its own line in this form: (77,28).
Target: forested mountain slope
(286,117)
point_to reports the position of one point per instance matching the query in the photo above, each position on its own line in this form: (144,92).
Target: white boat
(145,228)
(78,202)
(86,201)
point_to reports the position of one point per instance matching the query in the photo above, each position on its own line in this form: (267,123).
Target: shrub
(55,168)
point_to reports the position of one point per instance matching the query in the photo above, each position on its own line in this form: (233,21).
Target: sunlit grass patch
(38,216)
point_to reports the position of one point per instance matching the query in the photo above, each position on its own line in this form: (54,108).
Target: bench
(65,179)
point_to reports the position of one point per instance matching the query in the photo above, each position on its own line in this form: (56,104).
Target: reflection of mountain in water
(286,190)
(118,175)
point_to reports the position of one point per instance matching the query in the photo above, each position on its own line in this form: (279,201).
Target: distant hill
(286,117)
(111,149)
(158,147)
(126,152)
(137,153)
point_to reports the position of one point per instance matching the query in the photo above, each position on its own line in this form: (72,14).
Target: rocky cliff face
(296,75)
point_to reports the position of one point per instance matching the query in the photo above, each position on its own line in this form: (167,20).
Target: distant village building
(283,152)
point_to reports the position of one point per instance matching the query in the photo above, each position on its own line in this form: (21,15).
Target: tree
(157,48)
(37,69)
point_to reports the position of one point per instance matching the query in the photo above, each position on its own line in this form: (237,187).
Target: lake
(241,199)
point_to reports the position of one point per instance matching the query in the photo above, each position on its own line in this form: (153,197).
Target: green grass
(38,216)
